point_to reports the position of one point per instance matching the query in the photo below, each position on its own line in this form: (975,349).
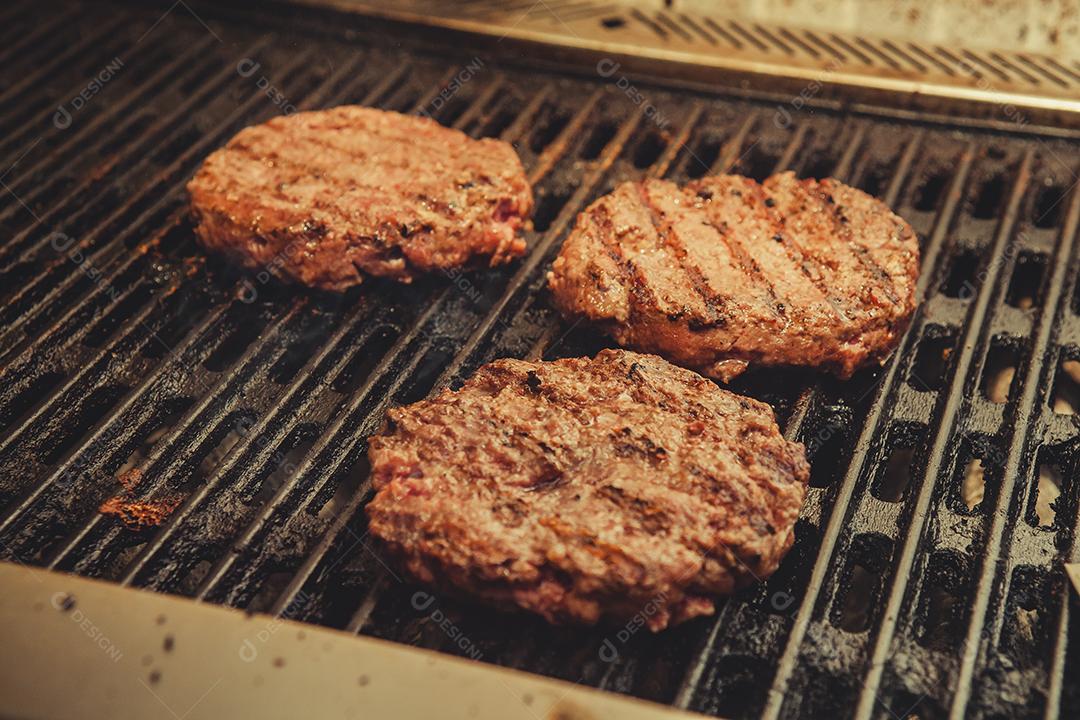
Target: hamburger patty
(587,489)
(725,271)
(328,197)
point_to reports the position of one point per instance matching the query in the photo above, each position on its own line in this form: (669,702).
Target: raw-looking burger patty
(587,490)
(328,197)
(725,271)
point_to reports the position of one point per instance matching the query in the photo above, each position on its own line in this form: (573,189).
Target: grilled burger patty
(587,489)
(725,271)
(328,197)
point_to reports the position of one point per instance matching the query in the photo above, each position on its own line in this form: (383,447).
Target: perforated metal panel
(880,66)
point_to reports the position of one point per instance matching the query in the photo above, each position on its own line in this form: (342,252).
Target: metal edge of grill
(1002,89)
(248,403)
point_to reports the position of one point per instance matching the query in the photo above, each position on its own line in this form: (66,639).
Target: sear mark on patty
(725,272)
(584,489)
(329,197)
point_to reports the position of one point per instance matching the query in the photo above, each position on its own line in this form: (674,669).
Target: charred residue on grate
(861,582)
(1003,361)
(975,475)
(896,472)
(1027,282)
(1026,634)
(961,280)
(266,404)
(943,598)
(1064,398)
(930,365)
(1052,491)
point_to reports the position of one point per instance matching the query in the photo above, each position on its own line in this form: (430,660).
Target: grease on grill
(133,513)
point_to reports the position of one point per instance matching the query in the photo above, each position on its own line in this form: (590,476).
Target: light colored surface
(1046,26)
(76,648)
(1074,575)
(868,63)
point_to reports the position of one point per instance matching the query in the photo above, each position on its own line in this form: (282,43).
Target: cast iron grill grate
(926,577)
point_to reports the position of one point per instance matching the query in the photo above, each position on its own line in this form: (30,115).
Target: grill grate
(926,576)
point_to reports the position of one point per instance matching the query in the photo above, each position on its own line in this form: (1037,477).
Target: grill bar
(28,121)
(95,39)
(544,164)
(169,199)
(114,244)
(46,30)
(1026,427)
(149,138)
(359,399)
(835,526)
(9,15)
(938,451)
(139,326)
(156,83)
(94,440)
(811,396)
(256,431)
(22,508)
(730,154)
(244,367)
(346,70)
(338,456)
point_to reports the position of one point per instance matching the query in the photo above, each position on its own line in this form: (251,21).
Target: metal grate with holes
(926,579)
(872,71)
